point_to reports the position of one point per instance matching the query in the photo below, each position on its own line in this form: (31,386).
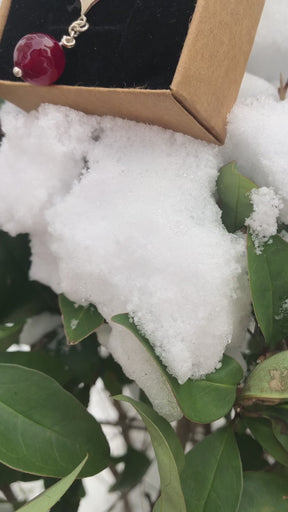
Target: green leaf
(212,476)
(157,506)
(233,190)
(20,298)
(70,501)
(14,268)
(8,476)
(251,453)
(268,273)
(79,321)
(40,361)
(279,419)
(203,400)
(261,429)
(169,454)
(83,360)
(264,492)
(9,334)
(44,430)
(269,380)
(280,431)
(48,498)
(206,400)
(136,465)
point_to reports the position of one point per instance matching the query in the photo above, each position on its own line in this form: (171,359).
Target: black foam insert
(130,43)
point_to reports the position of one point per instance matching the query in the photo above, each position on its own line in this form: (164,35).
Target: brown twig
(123,422)
(282,90)
(183,431)
(124,495)
(8,493)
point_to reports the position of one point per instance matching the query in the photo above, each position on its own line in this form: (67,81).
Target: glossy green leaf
(212,476)
(44,430)
(9,334)
(264,492)
(268,274)
(169,454)
(261,429)
(203,400)
(79,321)
(136,465)
(48,498)
(233,190)
(269,380)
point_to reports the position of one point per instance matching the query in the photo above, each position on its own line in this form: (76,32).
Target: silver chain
(74,30)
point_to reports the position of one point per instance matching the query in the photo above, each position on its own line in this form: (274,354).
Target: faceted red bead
(40,58)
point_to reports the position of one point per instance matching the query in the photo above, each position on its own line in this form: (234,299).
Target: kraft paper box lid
(205,85)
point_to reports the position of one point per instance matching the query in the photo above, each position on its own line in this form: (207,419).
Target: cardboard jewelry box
(204,88)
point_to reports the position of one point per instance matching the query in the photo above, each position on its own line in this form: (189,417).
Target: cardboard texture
(204,88)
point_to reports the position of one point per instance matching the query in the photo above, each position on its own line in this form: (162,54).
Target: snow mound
(123,215)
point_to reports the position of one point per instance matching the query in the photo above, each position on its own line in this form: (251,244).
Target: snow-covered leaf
(202,400)
(233,189)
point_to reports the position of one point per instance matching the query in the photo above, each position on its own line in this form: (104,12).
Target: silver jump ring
(74,30)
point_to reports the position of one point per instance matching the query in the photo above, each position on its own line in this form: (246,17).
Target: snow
(74,323)
(37,326)
(270,52)
(253,86)
(283,311)
(138,232)
(263,221)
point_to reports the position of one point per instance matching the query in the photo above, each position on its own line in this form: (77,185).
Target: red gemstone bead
(39,59)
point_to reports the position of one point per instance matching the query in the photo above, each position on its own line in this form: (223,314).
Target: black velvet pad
(130,43)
